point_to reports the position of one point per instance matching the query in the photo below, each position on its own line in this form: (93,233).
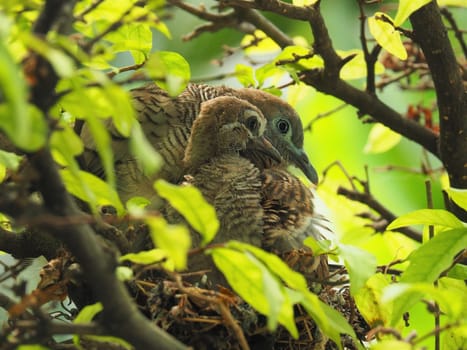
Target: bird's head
(284,129)
(227,125)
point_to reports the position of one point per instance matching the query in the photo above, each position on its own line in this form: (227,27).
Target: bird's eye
(252,123)
(283,126)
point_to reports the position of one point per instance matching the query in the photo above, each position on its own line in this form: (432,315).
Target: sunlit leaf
(144,152)
(88,312)
(438,217)
(91,189)
(381,139)
(368,300)
(189,202)
(356,67)
(174,240)
(268,71)
(459,196)
(329,321)
(459,272)
(250,278)
(426,264)
(62,63)
(23,124)
(124,273)
(304,2)
(360,264)
(292,278)
(66,142)
(386,35)
(32,347)
(298,58)
(458,3)
(170,70)
(86,315)
(406,8)
(145,257)
(9,160)
(134,37)
(101,139)
(244,75)
(435,256)
(259,43)
(391,345)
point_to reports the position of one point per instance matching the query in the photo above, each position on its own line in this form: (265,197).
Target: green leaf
(86,315)
(146,257)
(88,312)
(10,160)
(244,75)
(427,263)
(292,278)
(435,256)
(144,152)
(102,142)
(174,240)
(319,247)
(189,202)
(459,272)
(391,345)
(437,217)
(369,303)
(386,35)
(356,67)
(23,124)
(66,143)
(124,273)
(62,63)
(170,70)
(360,264)
(329,321)
(459,196)
(381,139)
(457,3)
(304,2)
(268,70)
(134,37)
(32,347)
(290,57)
(406,8)
(253,281)
(91,189)
(259,44)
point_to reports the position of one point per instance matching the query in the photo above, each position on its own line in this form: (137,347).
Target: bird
(266,207)
(214,163)
(167,122)
(289,217)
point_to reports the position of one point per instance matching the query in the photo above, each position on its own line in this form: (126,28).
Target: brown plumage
(167,124)
(225,128)
(289,217)
(268,208)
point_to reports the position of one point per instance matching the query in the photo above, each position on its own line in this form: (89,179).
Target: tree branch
(371,202)
(450,92)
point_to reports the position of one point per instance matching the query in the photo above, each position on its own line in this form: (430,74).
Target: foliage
(92,86)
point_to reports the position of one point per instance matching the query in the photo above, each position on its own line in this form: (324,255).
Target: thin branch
(457,32)
(452,100)
(371,202)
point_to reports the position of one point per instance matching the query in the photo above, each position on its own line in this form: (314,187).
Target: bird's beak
(259,148)
(300,158)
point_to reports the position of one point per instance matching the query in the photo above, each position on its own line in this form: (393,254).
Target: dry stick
(431,233)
